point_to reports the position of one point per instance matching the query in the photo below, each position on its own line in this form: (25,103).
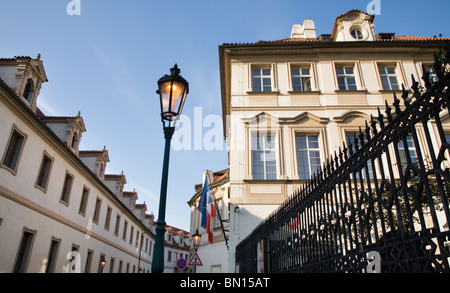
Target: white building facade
(289,105)
(59,211)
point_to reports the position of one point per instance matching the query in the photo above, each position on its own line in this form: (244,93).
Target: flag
(206,207)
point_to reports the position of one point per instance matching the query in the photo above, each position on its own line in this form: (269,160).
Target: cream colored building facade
(214,257)
(59,211)
(290,104)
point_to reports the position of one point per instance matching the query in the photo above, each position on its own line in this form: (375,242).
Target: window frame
(67,190)
(359,36)
(349,135)
(318,149)
(17,151)
(97,210)
(125,228)
(387,75)
(28,93)
(117,225)
(271,77)
(24,261)
(108,217)
(346,76)
(53,255)
(254,134)
(403,158)
(84,201)
(44,173)
(300,76)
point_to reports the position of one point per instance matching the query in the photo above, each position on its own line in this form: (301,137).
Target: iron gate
(382,198)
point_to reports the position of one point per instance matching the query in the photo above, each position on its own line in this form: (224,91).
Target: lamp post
(196,240)
(172,90)
(196,243)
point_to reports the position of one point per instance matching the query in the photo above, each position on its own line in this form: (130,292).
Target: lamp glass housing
(196,240)
(172,90)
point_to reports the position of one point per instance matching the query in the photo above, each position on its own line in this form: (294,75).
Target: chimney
(305,31)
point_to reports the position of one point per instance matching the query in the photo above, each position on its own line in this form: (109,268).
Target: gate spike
(336,161)
(415,85)
(396,105)
(368,129)
(381,118)
(341,155)
(356,142)
(405,97)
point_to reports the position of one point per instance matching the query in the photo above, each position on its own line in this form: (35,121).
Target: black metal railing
(380,205)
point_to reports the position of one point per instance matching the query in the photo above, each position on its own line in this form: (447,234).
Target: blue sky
(106,62)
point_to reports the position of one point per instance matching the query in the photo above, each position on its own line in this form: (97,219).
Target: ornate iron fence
(387,197)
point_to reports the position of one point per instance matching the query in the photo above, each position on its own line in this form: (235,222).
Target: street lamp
(172,90)
(196,240)
(102,263)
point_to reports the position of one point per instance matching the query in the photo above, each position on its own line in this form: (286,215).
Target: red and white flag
(206,207)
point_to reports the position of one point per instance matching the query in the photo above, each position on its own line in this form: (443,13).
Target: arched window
(357,34)
(28,92)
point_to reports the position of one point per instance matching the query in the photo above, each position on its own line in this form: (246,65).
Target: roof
(320,39)
(394,39)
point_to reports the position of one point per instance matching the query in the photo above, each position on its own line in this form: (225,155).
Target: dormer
(96,161)
(149,220)
(25,76)
(129,199)
(168,234)
(139,211)
(68,129)
(353,26)
(115,183)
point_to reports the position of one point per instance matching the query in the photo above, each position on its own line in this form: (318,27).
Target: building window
(44,172)
(120,266)
(87,267)
(13,151)
(52,256)
(409,150)
(131,235)
(84,200)
(111,265)
(346,78)
(351,141)
(108,218)
(24,252)
(301,79)
(116,229)
(261,79)
(74,144)
(125,227)
(65,195)
(28,92)
(308,155)
(264,164)
(388,78)
(357,34)
(98,204)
